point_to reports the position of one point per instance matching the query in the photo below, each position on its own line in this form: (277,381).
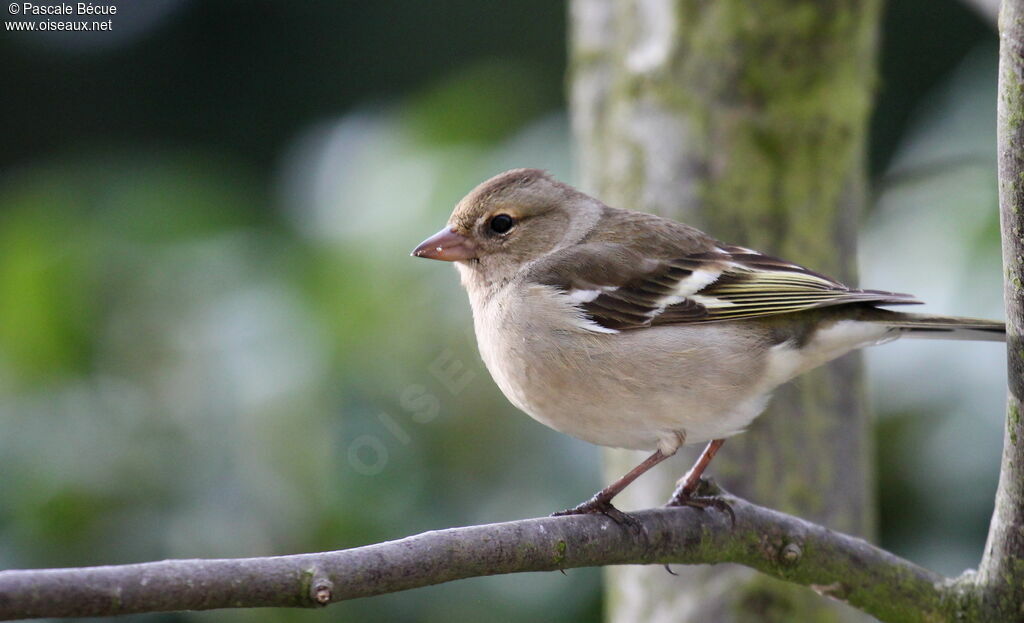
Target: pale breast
(634,389)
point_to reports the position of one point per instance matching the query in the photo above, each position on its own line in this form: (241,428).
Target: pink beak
(447,245)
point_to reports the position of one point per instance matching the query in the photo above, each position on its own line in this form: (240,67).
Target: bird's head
(507,221)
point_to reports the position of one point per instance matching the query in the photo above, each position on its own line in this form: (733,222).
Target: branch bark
(786,547)
(1000,578)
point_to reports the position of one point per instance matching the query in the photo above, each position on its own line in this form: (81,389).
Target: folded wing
(724,283)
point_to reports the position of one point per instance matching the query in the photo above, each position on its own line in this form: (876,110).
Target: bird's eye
(501,223)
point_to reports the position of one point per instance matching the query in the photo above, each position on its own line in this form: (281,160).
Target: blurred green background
(213,342)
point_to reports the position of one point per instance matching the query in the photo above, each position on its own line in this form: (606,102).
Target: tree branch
(1000,579)
(780,545)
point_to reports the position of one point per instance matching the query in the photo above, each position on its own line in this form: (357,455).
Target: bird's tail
(945,327)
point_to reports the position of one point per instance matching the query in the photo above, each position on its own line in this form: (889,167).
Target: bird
(630,330)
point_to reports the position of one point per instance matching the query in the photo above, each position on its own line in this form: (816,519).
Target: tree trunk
(748,120)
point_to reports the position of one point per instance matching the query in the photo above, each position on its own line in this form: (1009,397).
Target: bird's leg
(602,500)
(688,484)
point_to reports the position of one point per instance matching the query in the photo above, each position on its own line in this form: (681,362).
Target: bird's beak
(447,245)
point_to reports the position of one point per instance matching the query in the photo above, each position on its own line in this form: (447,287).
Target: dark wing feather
(726,283)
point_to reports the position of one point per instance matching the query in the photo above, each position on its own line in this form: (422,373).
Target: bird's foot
(603,506)
(704,497)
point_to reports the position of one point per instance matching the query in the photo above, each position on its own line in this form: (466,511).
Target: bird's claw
(681,498)
(597,505)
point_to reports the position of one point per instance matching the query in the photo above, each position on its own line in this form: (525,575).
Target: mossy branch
(998,587)
(780,545)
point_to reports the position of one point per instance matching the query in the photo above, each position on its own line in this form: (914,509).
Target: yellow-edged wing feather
(728,284)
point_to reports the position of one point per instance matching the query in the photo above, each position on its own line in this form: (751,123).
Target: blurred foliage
(213,341)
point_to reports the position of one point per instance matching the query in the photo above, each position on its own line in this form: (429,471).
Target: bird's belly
(585,388)
(640,421)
